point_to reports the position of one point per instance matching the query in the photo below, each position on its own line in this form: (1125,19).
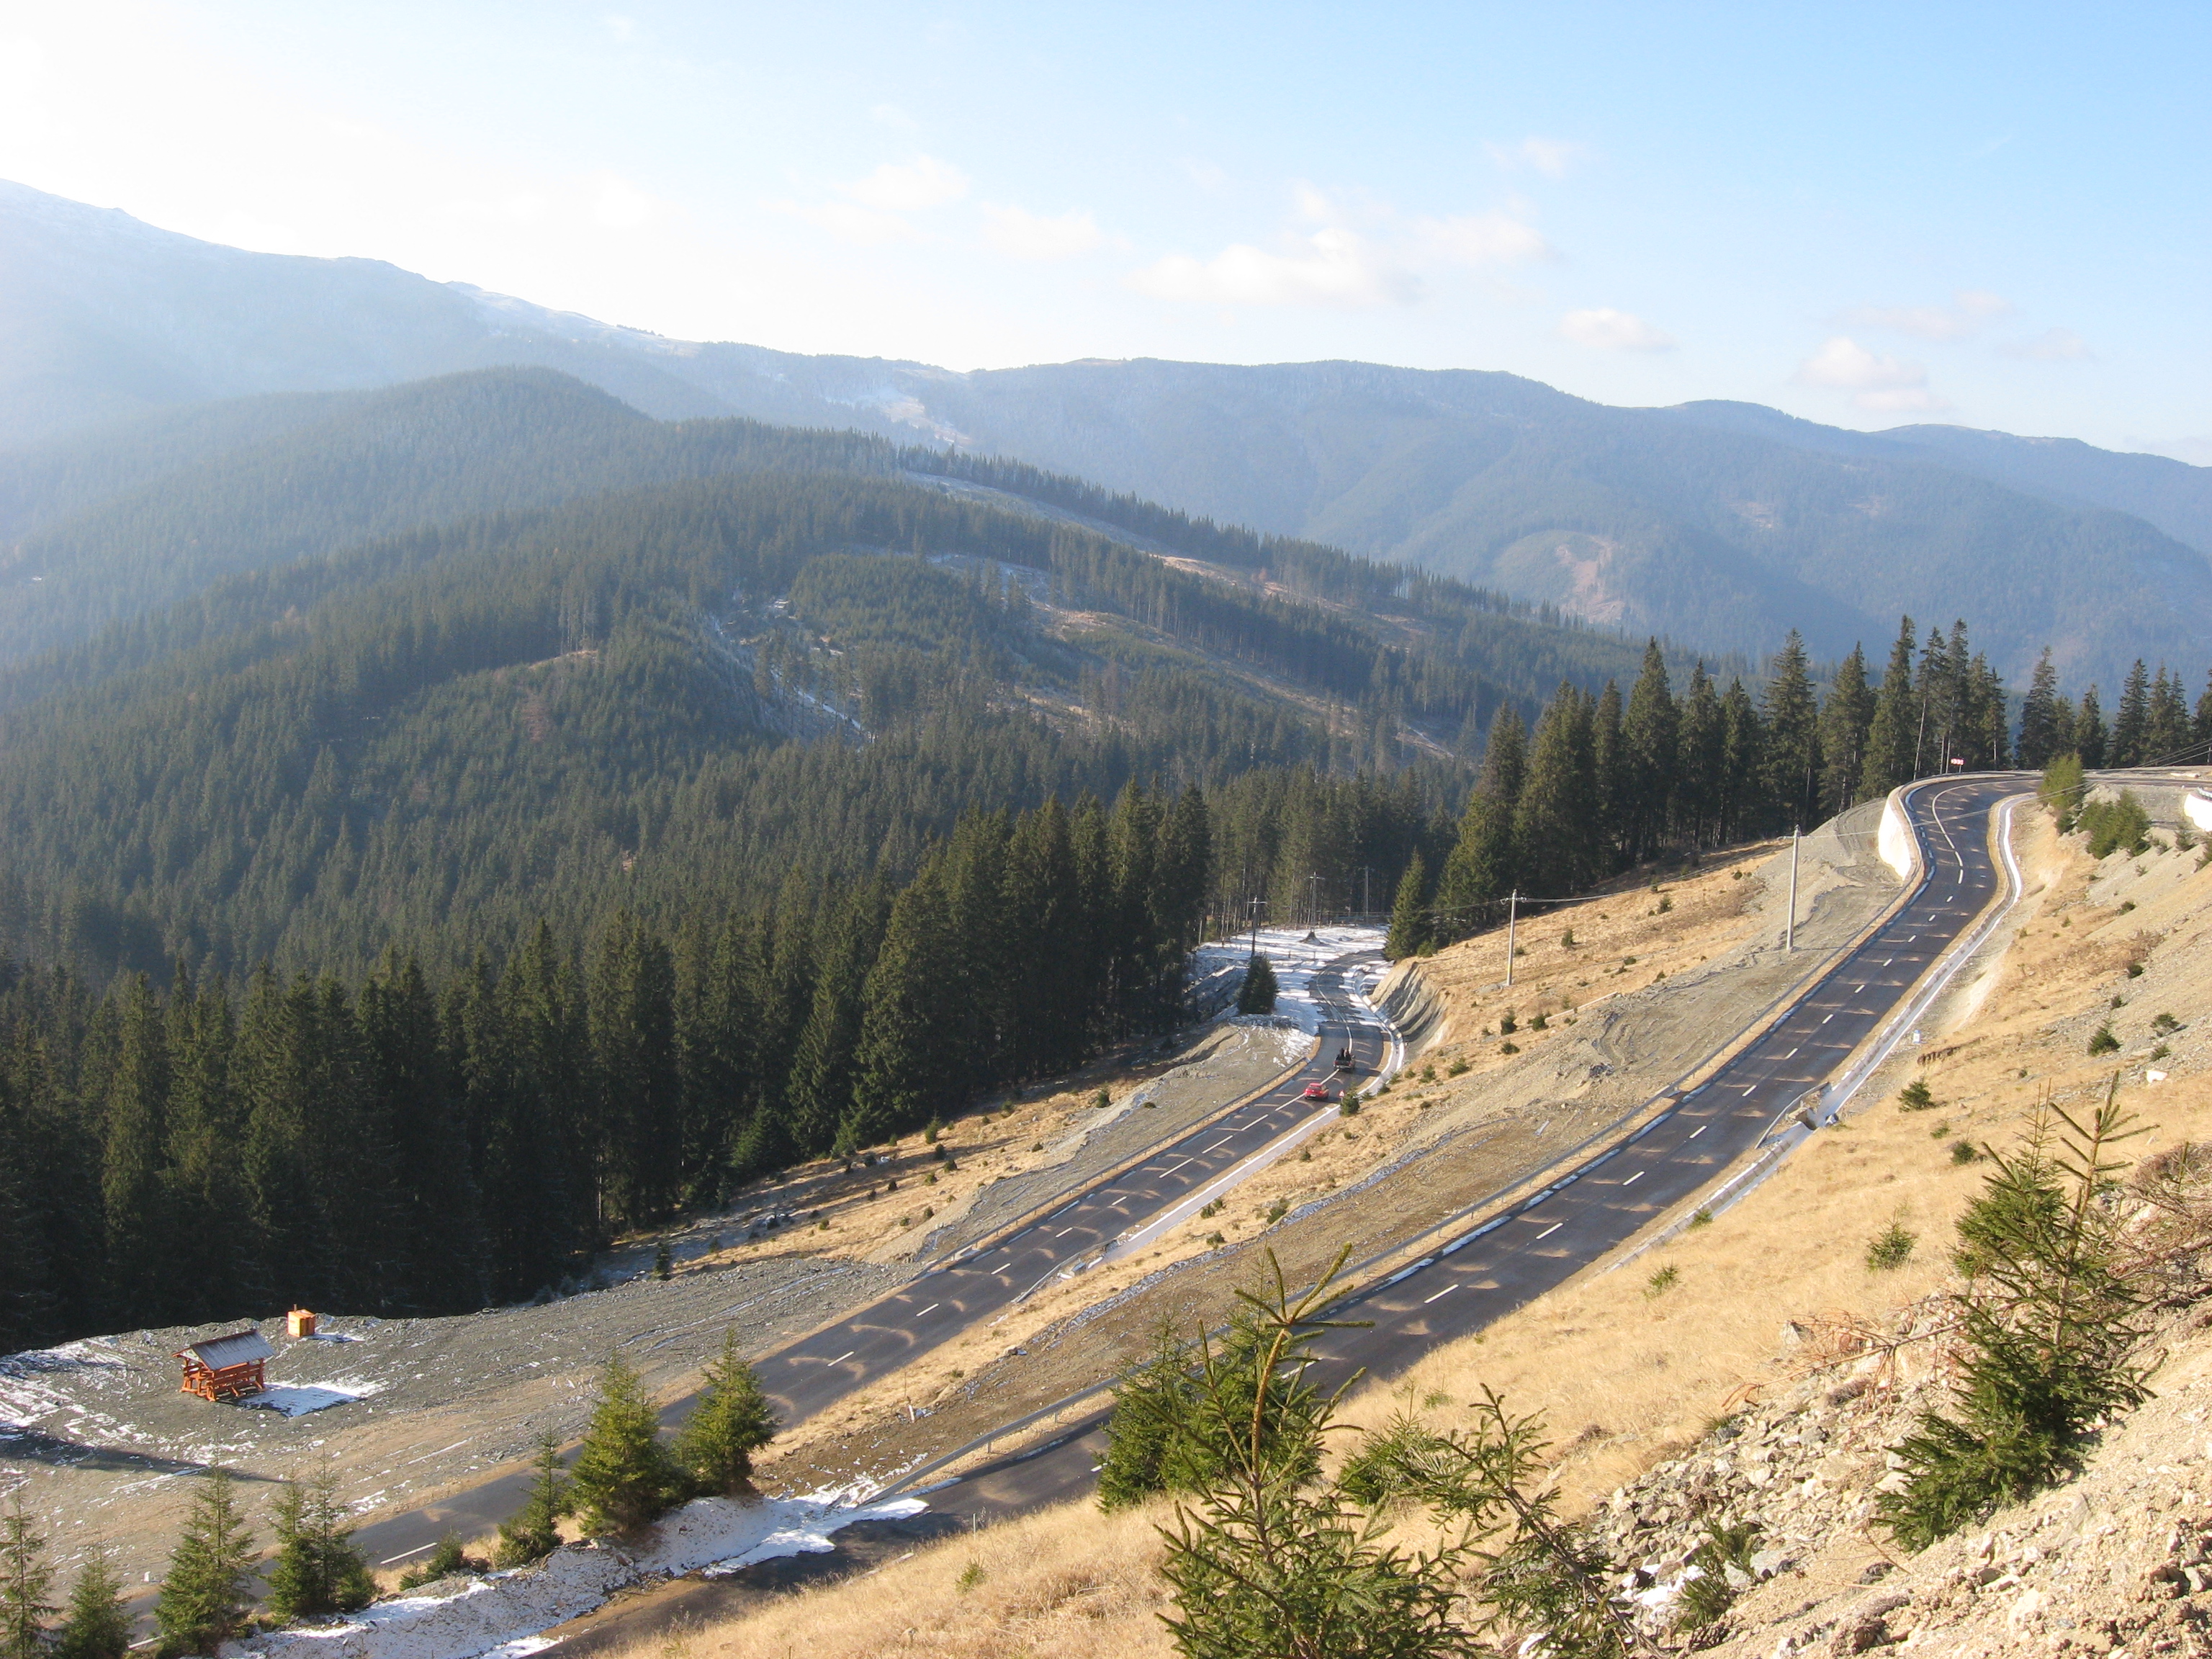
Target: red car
(1316,1091)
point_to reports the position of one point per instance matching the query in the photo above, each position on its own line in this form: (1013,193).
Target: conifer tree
(1609,751)
(624,1477)
(132,1189)
(1257,995)
(533,1532)
(1409,913)
(901,1075)
(1793,738)
(1552,820)
(1745,800)
(2200,728)
(731,1420)
(1650,738)
(2165,731)
(2090,738)
(25,1576)
(98,1626)
(822,1066)
(1893,732)
(1483,865)
(2131,719)
(1699,738)
(2041,739)
(1846,719)
(202,1601)
(317,1570)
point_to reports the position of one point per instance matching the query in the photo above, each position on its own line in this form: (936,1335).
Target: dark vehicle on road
(1346,1059)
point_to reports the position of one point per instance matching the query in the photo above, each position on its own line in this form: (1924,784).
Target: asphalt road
(1510,1259)
(823,1368)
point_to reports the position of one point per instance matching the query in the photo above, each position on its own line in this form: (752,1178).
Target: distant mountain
(1718,524)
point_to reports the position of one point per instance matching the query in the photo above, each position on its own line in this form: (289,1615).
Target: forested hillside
(1721,524)
(435,738)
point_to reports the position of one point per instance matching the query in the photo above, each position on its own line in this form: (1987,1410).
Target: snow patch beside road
(1296,957)
(503,1613)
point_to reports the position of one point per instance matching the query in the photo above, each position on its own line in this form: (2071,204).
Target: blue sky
(1995,215)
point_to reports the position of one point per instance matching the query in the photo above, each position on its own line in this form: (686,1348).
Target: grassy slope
(1625,1378)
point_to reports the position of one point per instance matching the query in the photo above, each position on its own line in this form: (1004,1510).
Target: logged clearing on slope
(1632,1365)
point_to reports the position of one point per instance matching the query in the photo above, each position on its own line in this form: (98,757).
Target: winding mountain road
(823,1367)
(1504,1261)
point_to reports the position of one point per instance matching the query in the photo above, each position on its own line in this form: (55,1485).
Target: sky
(1868,215)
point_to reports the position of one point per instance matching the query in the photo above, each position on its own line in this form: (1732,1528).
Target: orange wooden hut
(226,1367)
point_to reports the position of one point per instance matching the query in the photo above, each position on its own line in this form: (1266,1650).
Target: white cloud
(892,115)
(1604,329)
(1875,382)
(908,186)
(1033,236)
(1482,239)
(623,29)
(2053,345)
(1552,157)
(1969,310)
(1334,266)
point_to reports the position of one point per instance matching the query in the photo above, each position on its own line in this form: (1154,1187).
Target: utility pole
(1366,890)
(1790,929)
(1252,916)
(1313,903)
(1512,919)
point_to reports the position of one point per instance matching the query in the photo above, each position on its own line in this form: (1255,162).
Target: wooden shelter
(225,1367)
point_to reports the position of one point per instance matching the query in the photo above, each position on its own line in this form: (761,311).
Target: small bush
(1507,1025)
(1962,1152)
(2104,1042)
(2160,1051)
(1915,1097)
(1101,1100)
(2135,970)
(1428,1073)
(1509,1047)
(1567,939)
(1703,1218)
(970,1576)
(1457,1067)
(2113,824)
(1278,1210)
(1541,1023)
(2166,1025)
(1349,1106)
(1662,1280)
(1892,1249)
(446,1561)
(1666,903)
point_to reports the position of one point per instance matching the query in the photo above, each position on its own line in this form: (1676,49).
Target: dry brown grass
(1622,1375)
(1069,1583)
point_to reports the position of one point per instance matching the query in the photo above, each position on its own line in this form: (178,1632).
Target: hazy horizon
(1869,222)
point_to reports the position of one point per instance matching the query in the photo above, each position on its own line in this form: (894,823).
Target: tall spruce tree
(731,1421)
(317,1570)
(2131,719)
(533,1532)
(1846,717)
(2090,736)
(1554,819)
(2041,739)
(1699,742)
(1483,865)
(1409,913)
(25,1576)
(1649,740)
(1893,733)
(624,1477)
(204,1601)
(98,1626)
(1793,737)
